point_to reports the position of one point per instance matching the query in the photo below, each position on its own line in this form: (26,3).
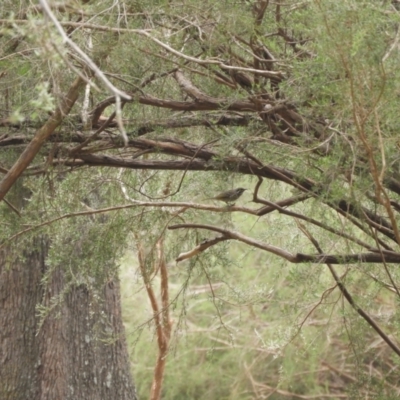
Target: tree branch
(384,256)
(40,137)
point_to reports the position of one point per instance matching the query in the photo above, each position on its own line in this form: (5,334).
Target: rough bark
(79,352)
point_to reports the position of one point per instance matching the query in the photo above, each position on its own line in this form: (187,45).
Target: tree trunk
(79,349)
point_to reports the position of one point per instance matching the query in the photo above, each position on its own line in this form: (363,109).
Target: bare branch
(203,246)
(385,256)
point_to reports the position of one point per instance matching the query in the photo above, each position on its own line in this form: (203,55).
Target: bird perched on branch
(229,196)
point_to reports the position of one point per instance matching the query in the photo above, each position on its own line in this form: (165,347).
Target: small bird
(229,196)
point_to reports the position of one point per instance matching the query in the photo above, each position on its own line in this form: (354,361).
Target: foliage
(295,101)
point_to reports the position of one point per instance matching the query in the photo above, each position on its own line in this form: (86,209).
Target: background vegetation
(130,114)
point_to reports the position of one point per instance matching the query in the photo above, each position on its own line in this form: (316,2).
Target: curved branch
(203,246)
(384,256)
(241,238)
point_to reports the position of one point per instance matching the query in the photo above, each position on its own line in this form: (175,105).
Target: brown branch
(40,137)
(167,324)
(281,204)
(205,159)
(259,8)
(97,133)
(377,222)
(212,103)
(156,385)
(231,235)
(15,209)
(359,225)
(203,246)
(209,104)
(187,86)
(185,122)
(385,256)
(98,110)
(67,137)
(236,164)
(163,324)
(205,162)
